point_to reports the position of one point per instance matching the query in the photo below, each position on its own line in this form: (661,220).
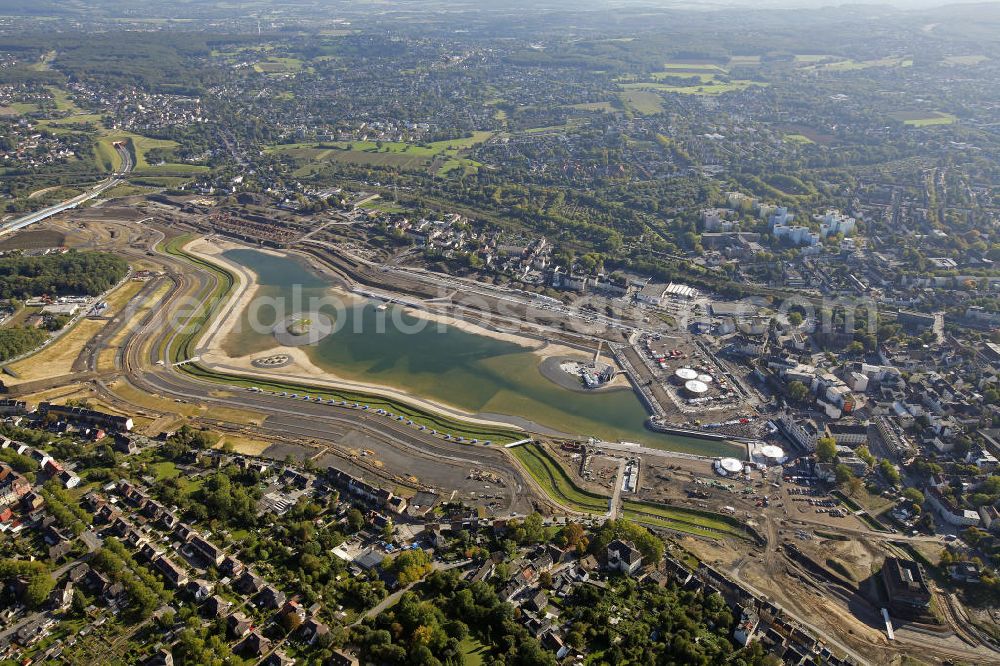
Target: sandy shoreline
(212,353)
(544,349)
(248,289)
(303,370)
(243,293)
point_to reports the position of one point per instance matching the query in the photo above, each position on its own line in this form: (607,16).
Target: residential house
(278,658)
(749,621)
(206,550)
(215,607)
(173,573)
(312,630)
(248,583)
(238,625)
(255,645)
(341,658)
(270,598)
(623,557)
(200,589)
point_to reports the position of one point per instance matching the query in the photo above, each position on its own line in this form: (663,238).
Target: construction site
(748,513)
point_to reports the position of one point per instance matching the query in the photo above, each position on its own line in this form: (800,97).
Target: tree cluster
(72,273)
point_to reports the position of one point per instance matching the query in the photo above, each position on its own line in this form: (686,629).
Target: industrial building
(904,583)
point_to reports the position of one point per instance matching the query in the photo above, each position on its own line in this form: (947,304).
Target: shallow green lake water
(475,373)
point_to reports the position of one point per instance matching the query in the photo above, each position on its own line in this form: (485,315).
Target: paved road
(394,597)
(97,190)
(32,617)
(616,495)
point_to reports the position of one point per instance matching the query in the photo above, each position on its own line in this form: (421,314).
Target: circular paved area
(302,328)
(273,361)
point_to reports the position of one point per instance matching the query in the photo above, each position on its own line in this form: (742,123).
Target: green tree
(38,590)
(843,474)
(355,519)
(889,471)
(863,453)
(826,449)
(797,391)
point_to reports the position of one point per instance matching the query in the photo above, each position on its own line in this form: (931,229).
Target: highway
(97,190)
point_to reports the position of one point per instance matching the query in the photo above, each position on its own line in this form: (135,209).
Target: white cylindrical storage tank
(731,465)
(685,374)
(772,453)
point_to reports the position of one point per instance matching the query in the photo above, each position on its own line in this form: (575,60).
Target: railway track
(962,625)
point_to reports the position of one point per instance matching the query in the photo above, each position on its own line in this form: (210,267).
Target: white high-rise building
(834,222)
(780,217)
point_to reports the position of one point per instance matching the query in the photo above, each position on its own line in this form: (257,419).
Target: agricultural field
(465,166)
(811,57)
(275,65)
(703,71)
(690,74)
(442,157)
(18,109)
(607,107)
(570,124)
(708,86)
(69,123)
(108,159)
(643,102)
(806,132)
(965,60)
(63,103)
(923,118)
(384,206)
(849,65)
(690,78)
(696,65)
(798,138)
